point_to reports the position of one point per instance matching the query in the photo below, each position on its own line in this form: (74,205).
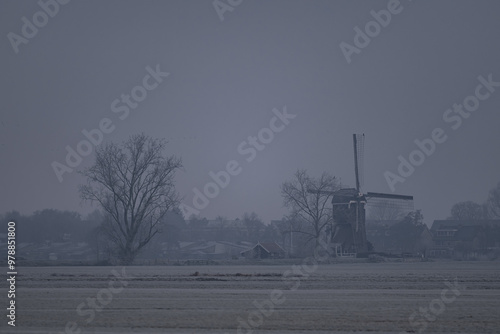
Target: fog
(227,71)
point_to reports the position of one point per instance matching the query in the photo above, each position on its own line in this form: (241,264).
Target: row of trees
(133,183)
(469,210)
(51,225)
(249,228)
(308,200)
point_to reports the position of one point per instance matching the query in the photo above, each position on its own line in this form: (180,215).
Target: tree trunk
(127,256)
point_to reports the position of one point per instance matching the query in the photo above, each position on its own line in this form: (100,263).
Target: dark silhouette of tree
(254,226)
(468,210)
(56,225)
(493,202)
(308,199)
(133,182)
(415,218)
(171,231)
(271,234)
(50,225)
(198,227)
(406,234)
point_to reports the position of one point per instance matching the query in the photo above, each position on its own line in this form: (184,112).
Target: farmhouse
(465,238)
(264,250)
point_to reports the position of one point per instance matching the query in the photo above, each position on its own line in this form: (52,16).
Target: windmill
(348,231)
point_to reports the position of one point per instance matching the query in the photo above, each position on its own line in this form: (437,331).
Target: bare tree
(468,210)
(415,218)
(493,202)
(308,200)
(254,226)
(134,184)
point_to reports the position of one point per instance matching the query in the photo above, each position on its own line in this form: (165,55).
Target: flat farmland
(430,297)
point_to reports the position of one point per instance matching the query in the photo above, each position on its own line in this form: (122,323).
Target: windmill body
(348,205)
(349,234)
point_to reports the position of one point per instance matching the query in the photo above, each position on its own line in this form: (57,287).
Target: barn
(264,250)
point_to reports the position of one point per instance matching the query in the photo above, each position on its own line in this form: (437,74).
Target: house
(264,250)
(206,250)
(399,237)
(64,251)
(464,238)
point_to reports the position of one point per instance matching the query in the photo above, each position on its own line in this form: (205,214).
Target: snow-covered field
(443,297)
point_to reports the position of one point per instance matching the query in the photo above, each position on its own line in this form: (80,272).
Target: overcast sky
(228,70)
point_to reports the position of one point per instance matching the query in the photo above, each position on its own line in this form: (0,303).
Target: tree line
(133,184)
(470,210)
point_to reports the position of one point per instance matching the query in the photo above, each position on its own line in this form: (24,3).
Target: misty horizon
(211,88)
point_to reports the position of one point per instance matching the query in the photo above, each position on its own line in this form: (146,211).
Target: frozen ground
(336,298)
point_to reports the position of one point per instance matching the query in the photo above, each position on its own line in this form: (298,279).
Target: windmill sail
(348,206)
(359,148)
(389,206)
(401,203)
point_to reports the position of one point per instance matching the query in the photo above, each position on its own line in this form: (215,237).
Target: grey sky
(227,76)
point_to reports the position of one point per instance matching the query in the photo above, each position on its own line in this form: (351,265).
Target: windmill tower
(348,205)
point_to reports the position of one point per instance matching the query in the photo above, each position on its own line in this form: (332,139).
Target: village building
(265,250)
(465,239)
